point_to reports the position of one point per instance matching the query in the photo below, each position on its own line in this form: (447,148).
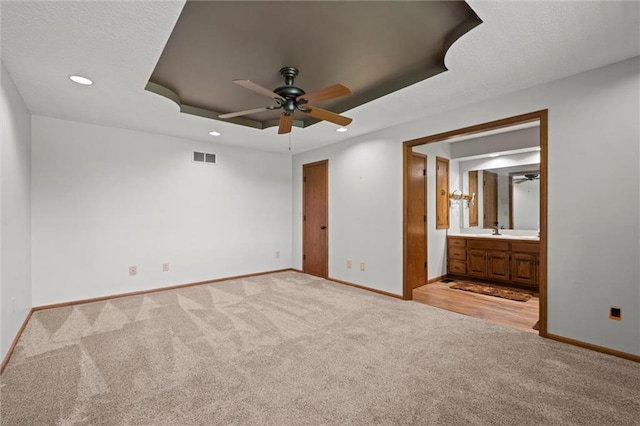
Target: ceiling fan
(290,99)
(527,177)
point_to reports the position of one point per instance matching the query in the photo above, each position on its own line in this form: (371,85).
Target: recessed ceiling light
(214,133)
(341,129)
(495,154)
(81,80)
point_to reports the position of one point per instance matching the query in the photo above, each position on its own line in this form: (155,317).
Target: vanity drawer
(457,267)
(482,243)
(526,247)
(457,242)
(457,253)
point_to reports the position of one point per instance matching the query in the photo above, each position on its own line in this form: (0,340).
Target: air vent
(203,157)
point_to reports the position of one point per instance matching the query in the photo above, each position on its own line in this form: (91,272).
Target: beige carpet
(290,349)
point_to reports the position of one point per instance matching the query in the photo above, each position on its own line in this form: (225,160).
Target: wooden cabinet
(524,263)
(477,263)
(457,256)
(442,193)
(524,268)
(498,267)
(500,260)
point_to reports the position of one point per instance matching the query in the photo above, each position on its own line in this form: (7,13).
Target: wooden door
(473,191)
(490,199)
(477,263)
(442,193)
(417,220)
(315,227)
(498,265)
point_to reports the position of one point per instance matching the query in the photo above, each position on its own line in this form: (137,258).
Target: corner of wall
(15,211)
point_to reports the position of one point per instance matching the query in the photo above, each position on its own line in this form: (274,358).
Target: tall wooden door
(315,212)
(490,199)
(417,220)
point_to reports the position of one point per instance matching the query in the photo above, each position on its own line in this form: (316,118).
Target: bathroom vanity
(504,259)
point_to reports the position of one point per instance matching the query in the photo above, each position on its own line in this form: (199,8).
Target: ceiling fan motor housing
(289,92)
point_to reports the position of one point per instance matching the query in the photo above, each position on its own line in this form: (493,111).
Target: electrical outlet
(277,255)
(133,270)
(348,263)
(165,267)
(615,313)
(362,266)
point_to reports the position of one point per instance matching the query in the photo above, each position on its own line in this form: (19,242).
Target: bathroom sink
(505,236)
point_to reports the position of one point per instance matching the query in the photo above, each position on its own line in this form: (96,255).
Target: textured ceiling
(117,44)
(374,48)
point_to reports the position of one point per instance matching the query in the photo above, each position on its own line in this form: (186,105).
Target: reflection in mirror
(508,196)
(489,165)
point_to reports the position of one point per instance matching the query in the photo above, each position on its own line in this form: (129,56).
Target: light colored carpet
(291,349)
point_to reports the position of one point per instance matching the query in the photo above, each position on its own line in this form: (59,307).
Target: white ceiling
(117,44)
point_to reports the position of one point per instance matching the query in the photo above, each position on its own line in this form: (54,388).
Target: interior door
(417,220)
(490,199)
(315,226)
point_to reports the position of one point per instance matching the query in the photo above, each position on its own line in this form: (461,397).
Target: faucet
(496,229)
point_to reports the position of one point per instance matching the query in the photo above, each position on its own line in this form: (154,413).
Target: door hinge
(304,257)
(304,218)
(424,172)
(425,264)
(304,179)
(424,218)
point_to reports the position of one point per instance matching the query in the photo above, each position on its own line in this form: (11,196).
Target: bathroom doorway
(437,265)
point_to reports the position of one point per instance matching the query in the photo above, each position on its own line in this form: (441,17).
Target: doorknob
(323,227)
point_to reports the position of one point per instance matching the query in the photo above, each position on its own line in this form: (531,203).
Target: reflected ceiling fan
(527,177)
(290,99)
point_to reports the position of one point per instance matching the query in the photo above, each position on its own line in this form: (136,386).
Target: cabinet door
(442,193)
(524,269)
(498,265)
(477,263)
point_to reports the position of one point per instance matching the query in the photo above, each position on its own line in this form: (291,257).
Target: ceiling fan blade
(248,111)
(286,121)
(323,114)
(248,84)
(335,91)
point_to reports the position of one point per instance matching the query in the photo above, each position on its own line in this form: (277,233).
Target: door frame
(542,117)
(304,237)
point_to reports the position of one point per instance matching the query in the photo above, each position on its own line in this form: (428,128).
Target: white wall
(526,205)
(15,212)
(104,199)
(594,252)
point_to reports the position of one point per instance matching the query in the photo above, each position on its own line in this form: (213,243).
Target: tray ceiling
(374,48)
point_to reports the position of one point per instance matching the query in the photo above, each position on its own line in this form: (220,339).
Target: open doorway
(519,260)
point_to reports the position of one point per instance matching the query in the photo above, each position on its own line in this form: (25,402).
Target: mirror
(507,155)
(508,195)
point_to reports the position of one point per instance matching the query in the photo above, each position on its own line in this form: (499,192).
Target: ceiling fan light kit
(290,99)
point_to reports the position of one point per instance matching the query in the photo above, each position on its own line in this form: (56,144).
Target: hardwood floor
(520,315)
